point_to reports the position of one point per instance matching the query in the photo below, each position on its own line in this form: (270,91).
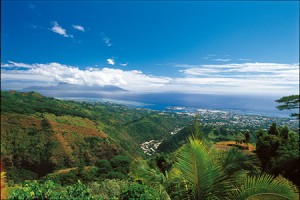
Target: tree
(266,147)
(260,133)
(247,137)
(284,133)
(289,103)
(279,154)
(121,164)
(273,130)
(104,167)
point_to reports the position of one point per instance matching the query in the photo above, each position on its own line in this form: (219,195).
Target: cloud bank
(133,80)
(245,78)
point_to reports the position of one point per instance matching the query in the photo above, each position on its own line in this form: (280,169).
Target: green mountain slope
(41,134)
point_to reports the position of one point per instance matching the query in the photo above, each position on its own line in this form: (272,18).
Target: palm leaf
(233,161)
(267,196)
(140,170)
(265,187)
(197,167)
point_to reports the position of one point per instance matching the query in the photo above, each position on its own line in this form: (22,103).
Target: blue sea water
(242,104)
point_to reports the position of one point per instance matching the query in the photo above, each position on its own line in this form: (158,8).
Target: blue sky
(153,46)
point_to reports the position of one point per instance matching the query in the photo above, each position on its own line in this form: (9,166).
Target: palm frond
(233,161)
(265,187)
(197,167)
(267,196)
(140,170)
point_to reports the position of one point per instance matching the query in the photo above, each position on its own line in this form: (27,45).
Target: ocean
(242,104)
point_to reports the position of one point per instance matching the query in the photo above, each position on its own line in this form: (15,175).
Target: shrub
(48,190)
(34,190)
(116,175)
(108,189)
(104,166)
(138,191)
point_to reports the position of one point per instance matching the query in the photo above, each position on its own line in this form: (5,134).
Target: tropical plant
(208,179)
(34,190)
(50,190)
(140,192)
(140,170)
(213,179)
(289,103)
(108,189)
(234,161)
(265,187)
(78,191)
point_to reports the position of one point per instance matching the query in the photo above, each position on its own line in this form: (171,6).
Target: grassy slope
(78,132)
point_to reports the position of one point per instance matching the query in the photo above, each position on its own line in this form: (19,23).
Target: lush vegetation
(199,172)
(40,135)
(278,150)
(290,103)
(54,149)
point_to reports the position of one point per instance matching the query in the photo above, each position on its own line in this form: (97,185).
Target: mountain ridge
(75,87)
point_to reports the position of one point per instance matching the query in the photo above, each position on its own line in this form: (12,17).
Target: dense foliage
(201,172)
(50,190)
(211,133)
(291,102)
(79,150)
(278,150)
(40,134)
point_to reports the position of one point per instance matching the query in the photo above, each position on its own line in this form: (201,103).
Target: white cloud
(221,59)
(253,69)
(106,40)
(243,78)
(132,80)
(12,64)
(110,61)
(248,78)
(79,28)
(123,64)
(59,30)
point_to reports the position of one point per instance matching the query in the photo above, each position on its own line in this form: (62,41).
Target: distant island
(63,86)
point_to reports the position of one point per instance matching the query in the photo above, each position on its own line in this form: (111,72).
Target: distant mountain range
(73,87)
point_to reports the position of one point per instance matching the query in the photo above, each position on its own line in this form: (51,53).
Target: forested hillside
(55,149)
(40,134)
